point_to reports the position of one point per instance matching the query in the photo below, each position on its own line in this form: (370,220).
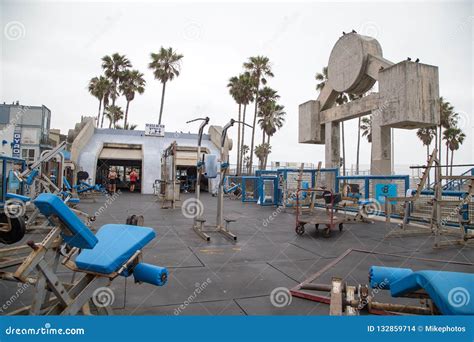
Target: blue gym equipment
(98,259)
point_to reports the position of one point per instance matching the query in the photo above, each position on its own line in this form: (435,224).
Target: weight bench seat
(117,243)
(77,235)
(452,292)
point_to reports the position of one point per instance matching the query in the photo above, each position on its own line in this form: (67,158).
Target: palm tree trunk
(343,150)
(266,156)
(452,159)
(126,115)
(254,124)
(242,141)
(439,152)
(358,148)
(238,142)
(427,159)
(447,160)
(263,136)
(98,114)
(162,102)
(110,122)
(103,115)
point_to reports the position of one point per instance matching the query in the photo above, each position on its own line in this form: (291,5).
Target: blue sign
(385,190)
(16,145)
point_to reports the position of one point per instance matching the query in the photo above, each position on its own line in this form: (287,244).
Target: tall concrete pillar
(332,139)
(381,148)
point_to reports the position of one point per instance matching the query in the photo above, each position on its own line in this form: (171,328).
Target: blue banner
(209,329)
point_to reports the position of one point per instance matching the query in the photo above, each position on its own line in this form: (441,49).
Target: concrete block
(310,130)
(409,95)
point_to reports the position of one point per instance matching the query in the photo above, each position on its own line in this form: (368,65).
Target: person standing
(133,180)
(112,180)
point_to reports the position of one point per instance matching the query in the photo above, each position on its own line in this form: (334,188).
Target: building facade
(24,130)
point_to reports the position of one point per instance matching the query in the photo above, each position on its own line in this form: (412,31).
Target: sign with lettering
(16,146)
(155,130)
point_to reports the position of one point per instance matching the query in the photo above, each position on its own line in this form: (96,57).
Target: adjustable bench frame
(69,298)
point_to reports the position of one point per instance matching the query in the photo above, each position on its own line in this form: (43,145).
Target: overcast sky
(50,50)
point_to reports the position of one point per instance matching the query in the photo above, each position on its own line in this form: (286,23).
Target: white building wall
(152,148)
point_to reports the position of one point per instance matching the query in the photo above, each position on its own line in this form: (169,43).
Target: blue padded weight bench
(450,292)
(114,251)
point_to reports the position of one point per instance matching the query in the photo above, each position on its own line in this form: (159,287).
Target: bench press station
(114,251)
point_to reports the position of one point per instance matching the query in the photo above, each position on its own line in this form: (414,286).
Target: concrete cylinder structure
(348,63)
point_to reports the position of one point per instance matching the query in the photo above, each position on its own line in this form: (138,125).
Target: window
(28,154)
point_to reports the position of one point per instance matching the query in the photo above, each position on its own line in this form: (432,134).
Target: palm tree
(262,151)
(114,114)
(266,102)
(235,90)
(127,126)
(454,137)
(166,65)
(114,67)
(132,82)
(99,88)
(244,157)
(448,119)
(259,68)
(366,127)
(426,135)
(246,92)
(271,121)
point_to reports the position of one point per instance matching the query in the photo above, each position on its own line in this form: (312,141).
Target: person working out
(133,179)
(112,180)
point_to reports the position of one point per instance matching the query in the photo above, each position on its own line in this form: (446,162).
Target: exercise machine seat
(18,197)
(117,243)
(78,234)
(452,292)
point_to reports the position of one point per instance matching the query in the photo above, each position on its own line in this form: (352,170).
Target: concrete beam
(374,63)
(310,130)
(351,110)
(332,150)
(381,153)
(327,97)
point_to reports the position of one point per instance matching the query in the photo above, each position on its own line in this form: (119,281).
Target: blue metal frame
(261,195)
(284,173)
(368,178)
(244,190)
(4,160)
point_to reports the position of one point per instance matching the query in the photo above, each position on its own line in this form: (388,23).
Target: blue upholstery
(452,292)
(78,235)
(117,243)
(150,274)
(17,197)
(74,200)
(382,277)
(66,184)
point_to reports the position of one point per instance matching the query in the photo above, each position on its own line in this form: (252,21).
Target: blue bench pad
(452,292)
(117,243)
(80,235)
